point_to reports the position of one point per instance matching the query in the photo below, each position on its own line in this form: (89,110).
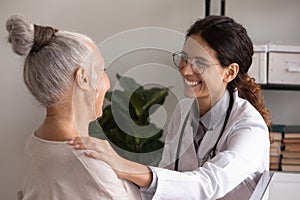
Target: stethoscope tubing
(213,150)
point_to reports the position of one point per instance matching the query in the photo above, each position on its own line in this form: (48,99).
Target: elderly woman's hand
(102,150)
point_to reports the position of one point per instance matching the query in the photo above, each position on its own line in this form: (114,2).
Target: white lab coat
(242,154)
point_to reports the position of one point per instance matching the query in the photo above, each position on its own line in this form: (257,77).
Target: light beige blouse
(55,171)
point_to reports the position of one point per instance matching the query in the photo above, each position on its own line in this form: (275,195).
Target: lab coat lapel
(188,160)
(172,144)
(214,120)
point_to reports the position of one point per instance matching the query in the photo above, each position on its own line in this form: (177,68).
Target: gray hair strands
(51,57)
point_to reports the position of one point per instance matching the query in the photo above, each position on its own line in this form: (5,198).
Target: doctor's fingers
(99,150)
(95,155)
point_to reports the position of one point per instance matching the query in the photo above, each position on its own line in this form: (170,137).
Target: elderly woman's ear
(82,79)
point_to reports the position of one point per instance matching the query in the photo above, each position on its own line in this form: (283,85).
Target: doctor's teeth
(192,83)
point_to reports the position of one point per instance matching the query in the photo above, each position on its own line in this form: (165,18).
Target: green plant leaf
(154,96)
(131,114)
(120,99)
(146,131)
(137,102)
(107,121)
(152,146)
(128,84)
(108,95)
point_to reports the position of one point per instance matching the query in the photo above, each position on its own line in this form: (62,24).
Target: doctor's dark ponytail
(232,45)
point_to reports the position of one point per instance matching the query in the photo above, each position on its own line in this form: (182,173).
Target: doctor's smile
(193,87)
(192,82)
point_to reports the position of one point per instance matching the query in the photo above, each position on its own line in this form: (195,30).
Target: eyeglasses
(181,59)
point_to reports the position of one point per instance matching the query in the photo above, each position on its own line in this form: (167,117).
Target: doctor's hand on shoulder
(101,150)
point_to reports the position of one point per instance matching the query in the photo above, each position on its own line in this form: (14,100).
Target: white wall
(268,20)
(272,21)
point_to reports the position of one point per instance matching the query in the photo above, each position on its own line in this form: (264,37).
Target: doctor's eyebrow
(203,59)
(198,57)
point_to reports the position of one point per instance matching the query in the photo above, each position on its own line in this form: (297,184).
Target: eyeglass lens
(181,59)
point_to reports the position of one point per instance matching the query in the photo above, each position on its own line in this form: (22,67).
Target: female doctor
(218,143)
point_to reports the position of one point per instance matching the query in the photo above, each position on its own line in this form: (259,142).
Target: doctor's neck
(205,103)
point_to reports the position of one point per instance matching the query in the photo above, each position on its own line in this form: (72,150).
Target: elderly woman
(64,71)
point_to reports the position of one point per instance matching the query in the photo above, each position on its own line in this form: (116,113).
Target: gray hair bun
(21,34)
(27,38)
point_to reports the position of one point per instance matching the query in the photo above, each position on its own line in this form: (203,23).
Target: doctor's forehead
(195,46)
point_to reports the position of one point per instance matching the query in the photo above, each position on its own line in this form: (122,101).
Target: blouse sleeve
(110,185)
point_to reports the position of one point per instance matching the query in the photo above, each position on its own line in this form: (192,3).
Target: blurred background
(266,21)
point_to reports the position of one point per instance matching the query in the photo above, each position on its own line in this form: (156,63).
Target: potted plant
(125,121)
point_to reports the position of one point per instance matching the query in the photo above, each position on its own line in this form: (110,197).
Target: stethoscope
(212,151)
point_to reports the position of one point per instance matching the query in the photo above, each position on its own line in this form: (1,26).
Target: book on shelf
(275,136)
(291,139)
(274,166)
(291,161)
(287,141)
(292,147)
(290,136)
(276,144)
(292,132)
(274,159)
(275,151)
(290,168)
(290,154)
